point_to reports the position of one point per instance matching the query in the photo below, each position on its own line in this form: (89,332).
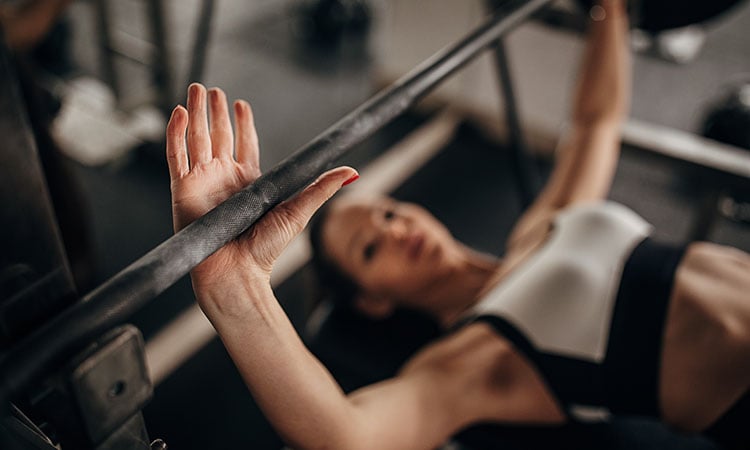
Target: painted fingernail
(351,180)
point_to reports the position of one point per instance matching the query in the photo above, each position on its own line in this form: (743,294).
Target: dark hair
(331,283)
(357,348)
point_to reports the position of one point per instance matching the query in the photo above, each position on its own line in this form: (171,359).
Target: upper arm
(441,390)
(406,412)
(589,152)
(471,376)
(584,170)
(430,399)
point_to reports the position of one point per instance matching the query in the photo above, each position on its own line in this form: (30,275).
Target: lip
(415,245)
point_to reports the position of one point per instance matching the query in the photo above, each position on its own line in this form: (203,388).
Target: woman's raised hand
(207,164)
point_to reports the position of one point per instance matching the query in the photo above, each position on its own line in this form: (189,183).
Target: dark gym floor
(297,91)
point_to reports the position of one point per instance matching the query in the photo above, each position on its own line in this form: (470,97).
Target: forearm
(604,82)
(300,397)
(233,288)
(295,392)
(589,150)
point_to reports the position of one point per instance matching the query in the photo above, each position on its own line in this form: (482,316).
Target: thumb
(302,207)
(276,230)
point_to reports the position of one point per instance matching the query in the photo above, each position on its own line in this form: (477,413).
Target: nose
(397,229)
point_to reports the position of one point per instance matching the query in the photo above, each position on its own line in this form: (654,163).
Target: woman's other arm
(589,151)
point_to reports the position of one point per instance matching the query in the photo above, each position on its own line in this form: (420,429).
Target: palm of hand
(203,168)
(206,186)
(208,164)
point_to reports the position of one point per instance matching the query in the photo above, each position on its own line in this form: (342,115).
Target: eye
(389,214)
(369,251)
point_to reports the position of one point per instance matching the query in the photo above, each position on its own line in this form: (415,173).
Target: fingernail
(194,93)
(351,180)
(176,111)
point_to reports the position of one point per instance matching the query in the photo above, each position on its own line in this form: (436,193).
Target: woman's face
(392,249)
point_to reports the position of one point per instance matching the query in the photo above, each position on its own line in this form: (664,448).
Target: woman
(538,337)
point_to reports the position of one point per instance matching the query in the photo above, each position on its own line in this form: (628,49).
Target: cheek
(401,280)
(385,279)
(389,274)
(432,226)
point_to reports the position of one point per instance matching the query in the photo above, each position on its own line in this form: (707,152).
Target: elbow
(607,118)
(326,445)
(342,438)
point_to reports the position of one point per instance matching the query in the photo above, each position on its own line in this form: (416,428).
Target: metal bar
(730,162)
(104,29)
(527,175)
(117,299)
(133,48)
(162,63)
(529,180)
(202,34)
(35,279)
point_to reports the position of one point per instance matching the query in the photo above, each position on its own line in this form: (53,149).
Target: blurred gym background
(109,72)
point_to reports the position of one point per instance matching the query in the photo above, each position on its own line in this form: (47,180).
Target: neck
(460,288)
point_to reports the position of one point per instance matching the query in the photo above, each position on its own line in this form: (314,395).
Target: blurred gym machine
(717,159)
(152,53)
(94,399)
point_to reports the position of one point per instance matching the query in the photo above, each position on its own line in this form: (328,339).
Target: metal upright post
(106,50)
(202,32)
(527,174)
(529,180)
(161,63)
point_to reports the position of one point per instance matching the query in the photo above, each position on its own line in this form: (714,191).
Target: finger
(298,211)
(219,124)
(247,138)
(198,142)
(275,231)
(177,158)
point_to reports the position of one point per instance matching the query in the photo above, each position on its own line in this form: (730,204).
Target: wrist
(233,293)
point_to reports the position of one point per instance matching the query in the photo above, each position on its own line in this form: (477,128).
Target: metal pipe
(529,179)
(107,63)
(200,45)
(527,174)
(162,65)
(118,298)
